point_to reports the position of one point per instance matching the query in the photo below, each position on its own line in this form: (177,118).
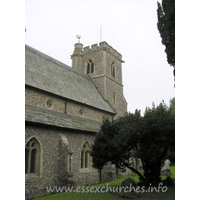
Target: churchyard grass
(80,196)
(171,174)
(168,195)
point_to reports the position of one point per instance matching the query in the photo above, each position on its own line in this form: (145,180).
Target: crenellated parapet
(103,64)
(104,46)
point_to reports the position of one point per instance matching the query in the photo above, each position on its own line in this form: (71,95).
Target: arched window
(113,69)
(90,67)
(85,156)
(32,157)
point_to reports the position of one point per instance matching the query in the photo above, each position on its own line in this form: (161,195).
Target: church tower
(104,66)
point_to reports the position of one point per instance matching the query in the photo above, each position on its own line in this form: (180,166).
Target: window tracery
(90,67)
(85,156)
(32,156)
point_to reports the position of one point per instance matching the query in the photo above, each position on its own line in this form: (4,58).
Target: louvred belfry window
(113,69)
(90,67)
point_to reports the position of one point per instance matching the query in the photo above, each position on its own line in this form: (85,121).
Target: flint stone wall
(53,164)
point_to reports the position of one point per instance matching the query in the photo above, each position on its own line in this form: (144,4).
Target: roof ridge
(48,74)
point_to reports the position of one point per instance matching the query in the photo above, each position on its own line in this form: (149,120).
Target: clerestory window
(90,67)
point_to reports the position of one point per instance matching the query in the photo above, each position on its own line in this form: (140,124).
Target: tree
(101,148)
(166,27)
(158,130)
(147,138)
(171,151)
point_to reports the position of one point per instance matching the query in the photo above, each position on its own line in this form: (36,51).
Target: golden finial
(79,37)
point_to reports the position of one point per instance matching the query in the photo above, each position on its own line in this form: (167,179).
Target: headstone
(127,182)
(166,166)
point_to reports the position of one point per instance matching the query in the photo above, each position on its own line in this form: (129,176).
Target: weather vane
(79,37)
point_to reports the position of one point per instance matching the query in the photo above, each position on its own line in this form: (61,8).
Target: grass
(80,196)
(168,195)
(171,173)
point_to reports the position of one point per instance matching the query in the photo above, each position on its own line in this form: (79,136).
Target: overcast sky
(129,26)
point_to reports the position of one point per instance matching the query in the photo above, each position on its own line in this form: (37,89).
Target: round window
(81,112)
(49,103)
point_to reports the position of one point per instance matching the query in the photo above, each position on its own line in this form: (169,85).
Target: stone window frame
(31,145)
(69,160)
(114,98)
(81,111)
(113,69)
(49,101)
(90,67)
(86,162)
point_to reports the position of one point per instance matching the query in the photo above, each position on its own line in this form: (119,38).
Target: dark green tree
(101,149)
(147,138)
(166,27)
(171,151)
(158,137)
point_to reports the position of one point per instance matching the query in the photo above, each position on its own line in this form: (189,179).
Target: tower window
(113,69)
(115,98)
(90,67)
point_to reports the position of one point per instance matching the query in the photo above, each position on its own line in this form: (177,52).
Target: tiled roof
(48,117)
(48,74)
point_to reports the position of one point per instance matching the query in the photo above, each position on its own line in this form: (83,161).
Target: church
(65,107)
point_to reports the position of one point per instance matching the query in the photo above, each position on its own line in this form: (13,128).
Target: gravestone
(166,167)
(128,181)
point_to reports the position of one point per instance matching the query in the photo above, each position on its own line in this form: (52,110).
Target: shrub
(168,181)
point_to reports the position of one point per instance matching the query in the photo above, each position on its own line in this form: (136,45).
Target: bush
(168,181)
